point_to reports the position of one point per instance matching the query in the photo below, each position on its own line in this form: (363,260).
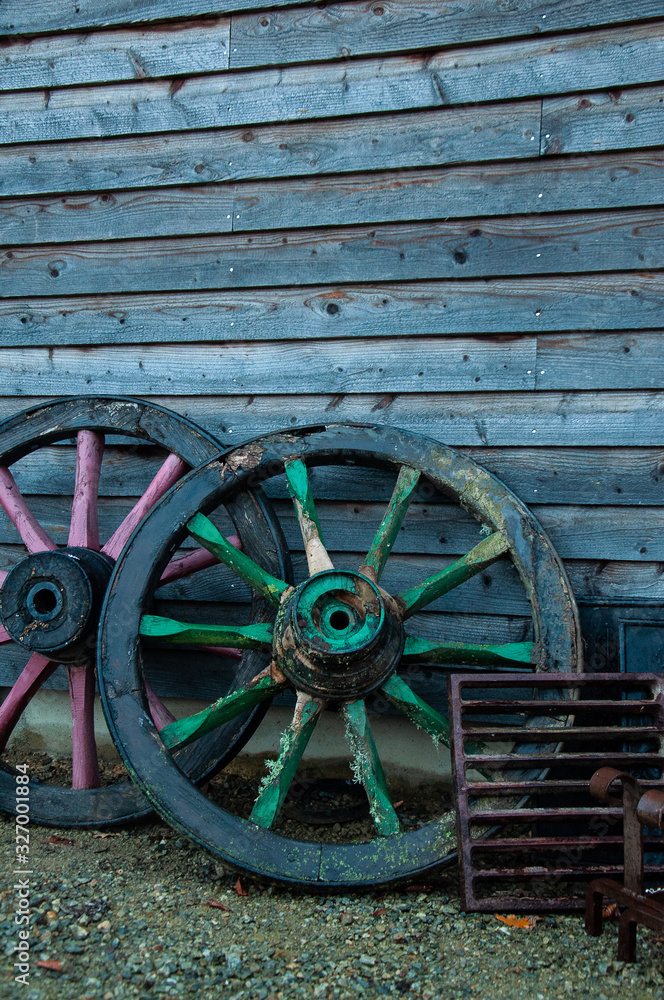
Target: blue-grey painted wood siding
(267,214)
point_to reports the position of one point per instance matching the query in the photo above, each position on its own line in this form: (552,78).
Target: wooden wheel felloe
(51,598)
(338,638)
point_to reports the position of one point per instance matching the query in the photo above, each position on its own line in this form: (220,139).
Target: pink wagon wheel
(51,595)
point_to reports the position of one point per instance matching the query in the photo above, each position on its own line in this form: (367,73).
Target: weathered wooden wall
(448,218)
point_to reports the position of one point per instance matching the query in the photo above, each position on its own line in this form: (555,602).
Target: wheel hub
(51,602)
(337,635)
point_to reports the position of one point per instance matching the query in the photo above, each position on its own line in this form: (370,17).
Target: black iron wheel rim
(62,419)
(250,847)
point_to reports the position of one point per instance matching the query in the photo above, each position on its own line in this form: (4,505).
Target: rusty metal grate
(524,750)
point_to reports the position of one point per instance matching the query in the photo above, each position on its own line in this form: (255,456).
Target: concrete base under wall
(408,754)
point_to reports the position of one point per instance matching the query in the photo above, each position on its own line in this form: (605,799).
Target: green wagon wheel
(338,638)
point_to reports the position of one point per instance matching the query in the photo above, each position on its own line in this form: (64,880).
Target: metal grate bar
(541,783)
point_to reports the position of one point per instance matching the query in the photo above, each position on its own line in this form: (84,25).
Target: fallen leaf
(521,923)
(51,964)
(218,906)
(59,841)
(102,836)
(240,889)
(419,887)
(610,911)
(379,913)
(397,805)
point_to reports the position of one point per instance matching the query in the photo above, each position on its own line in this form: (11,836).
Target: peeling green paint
(166,632)
(482,555)
(281,772)
(388,530)
(179,734)
(368,769)
(204,531)
(467,654)
(422,715)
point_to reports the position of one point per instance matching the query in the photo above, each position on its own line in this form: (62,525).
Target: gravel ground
(127,915)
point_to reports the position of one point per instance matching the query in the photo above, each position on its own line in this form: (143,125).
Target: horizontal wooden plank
(561,243)
(615,181)
(632,360)
(616,581)
(619,180)
(69,15)
(122,214)
(613,119)
(62,60)
(409,139)
(339,30)
(498,363)
(558,475)
(523,305)
(448,365)
(608,58)
(543,420)
(499,589)
(604,532)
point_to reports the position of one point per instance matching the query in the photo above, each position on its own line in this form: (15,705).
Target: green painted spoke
(467,654)
(203,530)
(482,555)
(424,716)
(166,632)
(179,734)
(386,535)
(300,490)
(275,785)
(368,768)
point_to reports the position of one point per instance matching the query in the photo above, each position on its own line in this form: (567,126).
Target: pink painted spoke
(172,469)
(160,714)
(3,576)
(4,636)
(84,525)
(37,670)
(32,533)
(235,654)
(192,562)
(85,767)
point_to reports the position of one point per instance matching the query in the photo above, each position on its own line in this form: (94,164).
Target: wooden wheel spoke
(161,716)
(85,764)
(263,687)
(4,636)
(388,530)
(160,631)
(418,711)
(482,555)
(275,785)
(37,670)
(368,769)
(300,490)
(193,562)
(32,534)
(203,530)
(467,654)
(172,470)
(84,524)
